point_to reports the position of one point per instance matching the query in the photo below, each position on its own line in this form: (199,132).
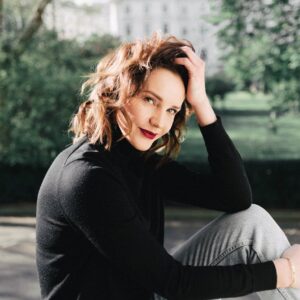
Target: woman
(100,221)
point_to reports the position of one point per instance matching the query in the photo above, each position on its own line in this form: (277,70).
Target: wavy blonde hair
(120,76)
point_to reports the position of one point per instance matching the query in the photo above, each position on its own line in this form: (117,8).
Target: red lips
(148,134)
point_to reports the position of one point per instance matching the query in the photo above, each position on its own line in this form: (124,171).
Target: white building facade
(77,21)
(132,19)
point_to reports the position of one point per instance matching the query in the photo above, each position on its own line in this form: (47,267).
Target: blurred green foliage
(39,92)
(217,86)
(261,42)
(16,15)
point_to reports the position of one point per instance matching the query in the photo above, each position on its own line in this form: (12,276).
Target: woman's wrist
(293,271)
(204,113)
(284,273)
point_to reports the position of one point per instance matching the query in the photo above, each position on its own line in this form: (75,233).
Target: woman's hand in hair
(195,66)
(196,93)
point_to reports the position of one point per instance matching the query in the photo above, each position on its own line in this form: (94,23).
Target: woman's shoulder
(86,152)
(84,163)
(82,158)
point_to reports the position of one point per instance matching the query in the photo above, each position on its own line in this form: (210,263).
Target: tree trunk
(1,17)
(31,29)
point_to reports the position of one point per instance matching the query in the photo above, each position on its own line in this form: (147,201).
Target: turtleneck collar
(123,146)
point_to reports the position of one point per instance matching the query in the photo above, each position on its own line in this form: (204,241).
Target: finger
(195,59)
(186,62)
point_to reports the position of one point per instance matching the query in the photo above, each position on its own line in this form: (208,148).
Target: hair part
(119,76)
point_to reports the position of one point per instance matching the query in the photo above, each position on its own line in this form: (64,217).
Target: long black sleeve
(226,188)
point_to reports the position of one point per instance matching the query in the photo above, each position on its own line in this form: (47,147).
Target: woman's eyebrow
(159,98)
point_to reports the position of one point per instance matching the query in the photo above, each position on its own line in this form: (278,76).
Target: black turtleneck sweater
(100,224)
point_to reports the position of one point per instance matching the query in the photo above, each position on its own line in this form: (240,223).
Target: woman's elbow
(241,202)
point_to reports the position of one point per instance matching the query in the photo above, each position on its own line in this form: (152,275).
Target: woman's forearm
(204,112)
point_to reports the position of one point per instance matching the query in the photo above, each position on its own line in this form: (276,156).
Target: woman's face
(153,110)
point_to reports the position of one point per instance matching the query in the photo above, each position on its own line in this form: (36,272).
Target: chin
(142,147)
(140,143)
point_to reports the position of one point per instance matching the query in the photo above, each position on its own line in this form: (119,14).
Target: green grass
(245,101)
(246,120)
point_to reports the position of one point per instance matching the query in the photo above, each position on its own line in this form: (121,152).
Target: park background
(251,49)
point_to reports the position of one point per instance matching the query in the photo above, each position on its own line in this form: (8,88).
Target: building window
(128,29)
(184,10)
(165,28)
(165,8)
(146,9)
(184,31)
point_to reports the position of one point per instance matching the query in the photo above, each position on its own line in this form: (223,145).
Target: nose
(157,118)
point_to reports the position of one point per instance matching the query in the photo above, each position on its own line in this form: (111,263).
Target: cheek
(139,113)
(169,124)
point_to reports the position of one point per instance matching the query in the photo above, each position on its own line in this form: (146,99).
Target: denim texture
(249,236)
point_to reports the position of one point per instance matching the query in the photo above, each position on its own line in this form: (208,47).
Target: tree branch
(1,17)
(31,29)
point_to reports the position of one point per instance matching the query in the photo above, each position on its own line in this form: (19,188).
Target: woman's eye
(149,100)
(152,101)
(173,111)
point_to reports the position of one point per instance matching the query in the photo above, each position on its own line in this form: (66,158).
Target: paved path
(18,277)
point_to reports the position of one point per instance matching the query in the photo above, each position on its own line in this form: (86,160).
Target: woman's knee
(264,230)
(255,215)
(254,220)
(256,228)
(255,209)
(258,210)
(252,234)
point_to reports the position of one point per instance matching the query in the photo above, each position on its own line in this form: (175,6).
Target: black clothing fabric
(100,223)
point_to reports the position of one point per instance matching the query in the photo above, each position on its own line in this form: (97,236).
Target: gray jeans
(249,236)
